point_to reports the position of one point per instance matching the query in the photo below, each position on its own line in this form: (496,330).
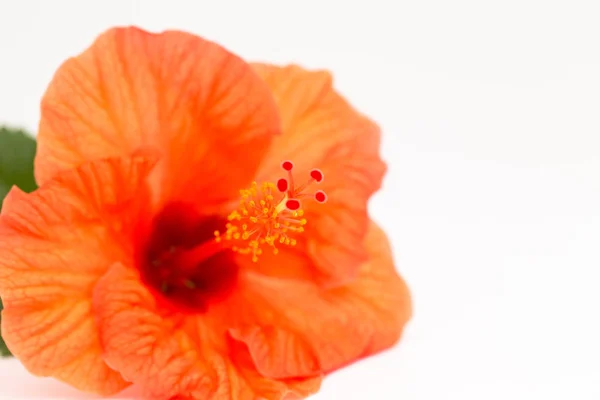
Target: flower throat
(268,216)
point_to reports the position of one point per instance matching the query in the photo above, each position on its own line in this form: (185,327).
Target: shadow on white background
(491,119)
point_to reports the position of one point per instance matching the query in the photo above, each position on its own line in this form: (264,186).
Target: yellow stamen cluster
(261,220)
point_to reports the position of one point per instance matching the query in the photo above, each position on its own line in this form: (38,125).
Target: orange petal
(55,244)
(12,199)
(285,389)
(176,355)
(295,329)
(204,107)
(321,130)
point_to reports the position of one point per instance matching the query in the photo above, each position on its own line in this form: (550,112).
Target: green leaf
(17,150)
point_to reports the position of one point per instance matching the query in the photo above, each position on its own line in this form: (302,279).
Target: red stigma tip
(287,165)
(317,175)
(320,196)
(282,185)
(292,204)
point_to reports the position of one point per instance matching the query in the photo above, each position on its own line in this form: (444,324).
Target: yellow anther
(262,219)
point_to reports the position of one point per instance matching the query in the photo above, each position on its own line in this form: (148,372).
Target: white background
(491,114)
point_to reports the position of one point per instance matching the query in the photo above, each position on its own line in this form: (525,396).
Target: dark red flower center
(179,261)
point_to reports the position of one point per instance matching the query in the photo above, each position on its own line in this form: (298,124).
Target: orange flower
(136,261)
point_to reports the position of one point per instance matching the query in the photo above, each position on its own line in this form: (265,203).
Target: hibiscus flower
(201,227)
